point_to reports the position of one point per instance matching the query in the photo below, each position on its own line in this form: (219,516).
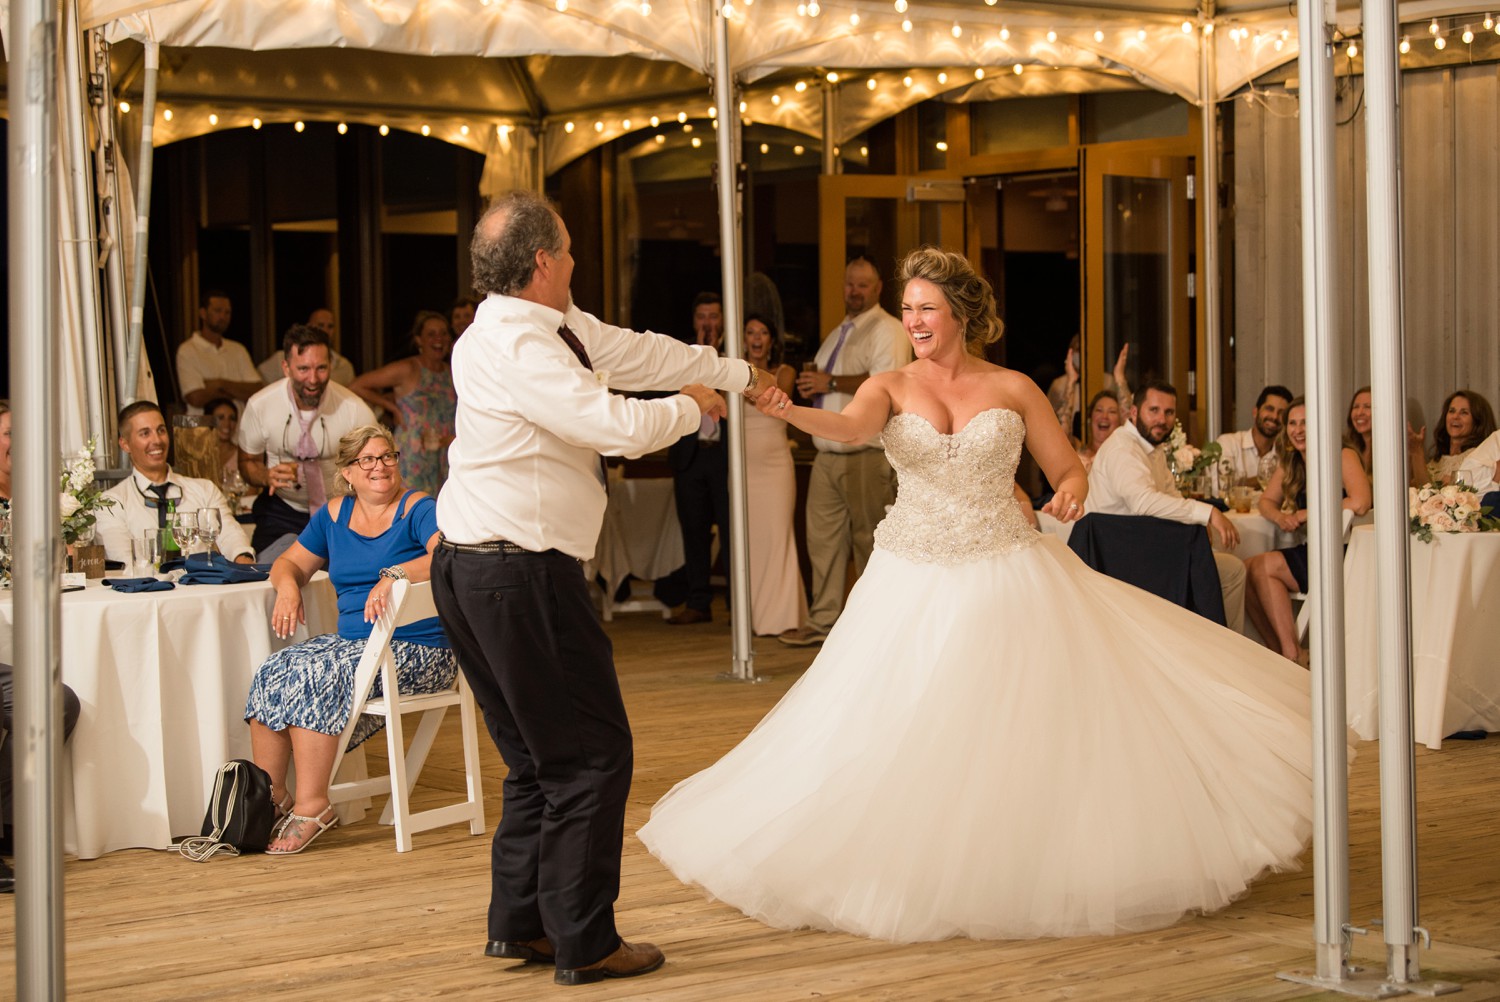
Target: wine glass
(1266,469)
(210,523)
(233,486)
(184,526)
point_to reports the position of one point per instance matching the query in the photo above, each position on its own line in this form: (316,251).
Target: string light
(645,9)
(1004,34)
(385,130)
(655,121)
(426,130)
(832,77)
(900,6)
(598,126)
(681,117)
(765,148)
(906,81)
(1489,22)
(942,147)
(1140,35)
(568,127)
(799,149)
(167,115)
(660,138)
(299,126)
(697,142)
(255,123)
(1051,36)
(854,20)
(776,100)
(744,107)
(864,151)
(1405,45)
(979,74)
(124,107)
(713,112)
(463,130)
(1279,43)
(1187,27)
(1439,43)
(942,78)
(813,10)
(870,84)
(957,31)
(800,86)
(1432,29)
(1352,51)
(906,24)
(687,126)
(562,6)
(213,119)
(1098,36)
(1468,35)
(1017,68)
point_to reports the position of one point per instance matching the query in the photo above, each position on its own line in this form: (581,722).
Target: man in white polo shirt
(211,365)
(143,499)
(289,436)
(1245,449)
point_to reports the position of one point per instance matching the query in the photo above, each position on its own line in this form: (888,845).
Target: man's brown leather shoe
(628,961)
(536,951)
(689,617)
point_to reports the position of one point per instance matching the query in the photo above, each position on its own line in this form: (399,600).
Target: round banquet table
(161,678)
(1455,592)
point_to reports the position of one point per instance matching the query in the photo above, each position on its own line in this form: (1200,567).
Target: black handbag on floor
(240,813)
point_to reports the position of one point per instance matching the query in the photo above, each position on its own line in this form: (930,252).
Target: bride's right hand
(774,403)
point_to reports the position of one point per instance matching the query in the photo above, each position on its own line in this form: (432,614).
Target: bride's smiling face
(929,320)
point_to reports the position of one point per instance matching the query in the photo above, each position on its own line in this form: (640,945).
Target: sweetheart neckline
(954,434)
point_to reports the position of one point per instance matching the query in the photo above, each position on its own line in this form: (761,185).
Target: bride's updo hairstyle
(967,293)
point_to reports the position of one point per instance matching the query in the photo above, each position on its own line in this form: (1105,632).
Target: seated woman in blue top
(300,698)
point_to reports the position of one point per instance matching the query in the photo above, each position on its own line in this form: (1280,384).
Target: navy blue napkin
(138,584)
(215,568)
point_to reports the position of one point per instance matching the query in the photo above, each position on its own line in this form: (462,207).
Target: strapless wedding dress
(997,742)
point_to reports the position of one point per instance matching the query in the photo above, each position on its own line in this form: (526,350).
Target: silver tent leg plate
(1359,982)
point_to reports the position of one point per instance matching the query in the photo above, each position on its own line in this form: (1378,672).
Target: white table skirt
(162,679)
(1455,634)
(640,535)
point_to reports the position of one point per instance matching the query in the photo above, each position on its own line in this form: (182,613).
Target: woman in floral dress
(417,392)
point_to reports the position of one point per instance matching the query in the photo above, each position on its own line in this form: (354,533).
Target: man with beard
(850,485)
(289,436)
(1245,449)
(1130,477)
(210,365)
(340,369)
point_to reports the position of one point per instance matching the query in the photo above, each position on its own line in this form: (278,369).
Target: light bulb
(1187,27)
(979,74)
(957,31)
(1468,35)
(1208,28)
(645,9)
(1098,36)
(1004,34)
(776,99)
(299,126)
(1352,50)
(1051,36)
(765,148)
(832,77)
(598,126)
(1405,45)
(854,20)
(562,6)
(1489,22)
(681,117)
(1140,35)
(660,138)
(1432,29)
(798,150)
(906,81)
(426,130)
(124,107)
(713,111)
(655,121)
(800,86)
(1439,43)
(864,151)
(870,84)
(1017,68)
(942,147)
(568,127)
(942,78)
(343,128)
(167,115)
(697,142)
(900,6)
(813,10)
(625,123)
(1279,43)
(906,24)
(213,119)
(687,126)
(255,123)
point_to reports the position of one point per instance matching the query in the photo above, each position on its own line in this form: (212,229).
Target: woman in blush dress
(418,394)
(777,600)
(994,741)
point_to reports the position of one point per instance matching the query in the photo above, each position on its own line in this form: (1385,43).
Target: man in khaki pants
(850,485)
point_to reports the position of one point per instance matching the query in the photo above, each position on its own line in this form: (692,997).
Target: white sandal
(297,819)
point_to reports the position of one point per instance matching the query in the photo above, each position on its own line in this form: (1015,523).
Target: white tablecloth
(1455,634)
(640,535)
(162,679)
(1258,534)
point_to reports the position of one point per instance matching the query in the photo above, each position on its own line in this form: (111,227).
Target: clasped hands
(711,403)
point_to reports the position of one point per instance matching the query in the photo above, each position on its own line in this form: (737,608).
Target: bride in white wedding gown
(995,741)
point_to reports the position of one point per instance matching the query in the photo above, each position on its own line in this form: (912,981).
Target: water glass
(184,526)
(1267,469)
(210,523)
(145,554)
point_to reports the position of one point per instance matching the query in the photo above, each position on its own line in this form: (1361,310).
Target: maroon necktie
(571,340)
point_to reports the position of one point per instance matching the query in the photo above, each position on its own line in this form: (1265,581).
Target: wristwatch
(754,379)
(395,572)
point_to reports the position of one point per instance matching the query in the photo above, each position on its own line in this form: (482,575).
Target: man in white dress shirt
(340,369)
(211,365)
(1130,477)
(1245,449)
(289,436)
(850,485)
(521,510)
(143,498)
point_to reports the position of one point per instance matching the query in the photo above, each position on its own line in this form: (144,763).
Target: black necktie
(571,340)
(160,490)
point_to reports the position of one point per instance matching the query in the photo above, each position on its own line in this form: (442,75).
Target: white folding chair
(1304,614)
(409,603)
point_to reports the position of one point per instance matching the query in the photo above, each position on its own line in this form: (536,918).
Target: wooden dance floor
(352,919)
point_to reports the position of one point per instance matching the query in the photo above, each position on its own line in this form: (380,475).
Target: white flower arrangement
(1184,458)
(1447,508)
(80,497)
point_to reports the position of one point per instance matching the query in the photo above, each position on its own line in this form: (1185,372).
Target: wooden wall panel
(1476,185)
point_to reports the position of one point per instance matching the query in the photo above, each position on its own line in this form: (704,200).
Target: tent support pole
(1208,202)
(1331,927)
(131,375)
(36,742)
(727,169)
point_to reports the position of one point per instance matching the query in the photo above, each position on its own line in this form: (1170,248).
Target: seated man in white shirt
(1246,449)
(143,498)
(1130,477)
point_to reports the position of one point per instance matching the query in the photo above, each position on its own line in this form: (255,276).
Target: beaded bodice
(955,500)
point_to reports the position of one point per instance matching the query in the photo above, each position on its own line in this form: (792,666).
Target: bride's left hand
(1064,507)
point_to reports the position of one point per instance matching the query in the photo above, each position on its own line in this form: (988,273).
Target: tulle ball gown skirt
(1011,747)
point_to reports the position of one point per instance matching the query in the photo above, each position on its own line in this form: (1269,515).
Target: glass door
(1137,238)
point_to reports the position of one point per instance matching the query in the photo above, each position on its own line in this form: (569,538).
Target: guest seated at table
(1130,477)
(1480,468)
(301,697)
(1357,437)
(4,455)
(1275,576)
(70,708)
(1103,418)
(1246,450)
(1467,420)
(143,499)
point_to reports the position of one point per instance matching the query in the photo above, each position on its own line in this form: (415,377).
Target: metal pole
(36,746)
(1398,802)
(142,224)
(1208,200)
(728,118)
(1325,536)
(81,235)
(111,243)
(830,128)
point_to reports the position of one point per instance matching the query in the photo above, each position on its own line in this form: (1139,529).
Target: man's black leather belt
(493,546)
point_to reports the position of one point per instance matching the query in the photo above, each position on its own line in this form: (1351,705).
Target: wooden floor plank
(352,918)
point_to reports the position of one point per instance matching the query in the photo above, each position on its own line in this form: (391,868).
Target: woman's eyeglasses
(384,459)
